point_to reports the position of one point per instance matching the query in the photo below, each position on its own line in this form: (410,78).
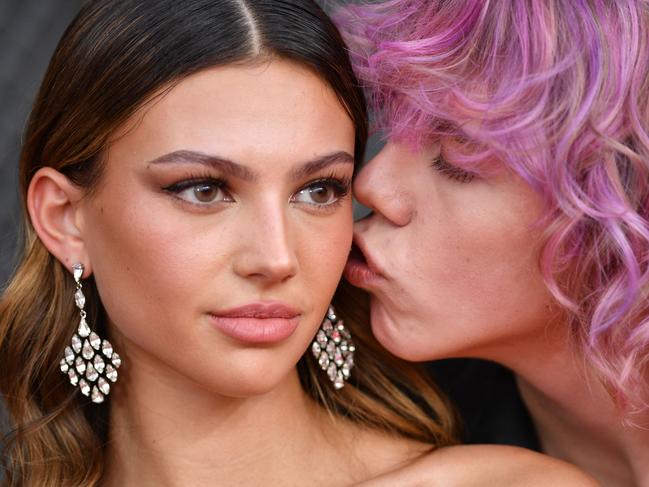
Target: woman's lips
(359,271)
(257,323)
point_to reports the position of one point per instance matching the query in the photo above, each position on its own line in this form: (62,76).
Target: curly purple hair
(557,91)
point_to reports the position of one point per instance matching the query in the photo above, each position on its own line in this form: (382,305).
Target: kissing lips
(359,271)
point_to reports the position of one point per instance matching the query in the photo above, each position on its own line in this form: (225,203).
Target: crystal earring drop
(333,348)
(89,362)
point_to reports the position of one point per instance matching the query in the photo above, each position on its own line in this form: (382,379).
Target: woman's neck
(575,418)
(174,433)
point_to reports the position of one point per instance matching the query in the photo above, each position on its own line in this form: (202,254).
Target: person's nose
(382,186)
(267,253)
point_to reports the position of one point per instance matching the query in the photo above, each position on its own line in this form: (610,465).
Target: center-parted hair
(115,57)
(557,91)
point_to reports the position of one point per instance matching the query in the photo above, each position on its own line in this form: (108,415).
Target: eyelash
(341,187)
(194,180)
(452,172)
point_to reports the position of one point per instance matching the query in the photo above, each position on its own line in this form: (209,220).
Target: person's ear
(52,203)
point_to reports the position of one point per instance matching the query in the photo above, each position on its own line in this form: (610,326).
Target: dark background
(29,32)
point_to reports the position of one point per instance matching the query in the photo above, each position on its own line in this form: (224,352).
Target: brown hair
(114,57)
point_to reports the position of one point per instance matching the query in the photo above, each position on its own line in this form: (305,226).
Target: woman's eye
(200,192)
(452,172)
(321,193)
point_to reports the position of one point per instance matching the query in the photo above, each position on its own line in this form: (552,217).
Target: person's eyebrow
(322,162)
(219,163)
(242,172)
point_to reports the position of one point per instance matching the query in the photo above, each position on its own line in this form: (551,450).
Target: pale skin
(168,245)
(456,274)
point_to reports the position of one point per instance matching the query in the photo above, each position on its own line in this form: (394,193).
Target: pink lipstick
(263,322)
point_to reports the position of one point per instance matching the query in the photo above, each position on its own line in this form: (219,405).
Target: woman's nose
(267,253)
(382,186)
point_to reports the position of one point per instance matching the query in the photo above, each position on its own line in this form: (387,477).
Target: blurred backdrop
(29,32)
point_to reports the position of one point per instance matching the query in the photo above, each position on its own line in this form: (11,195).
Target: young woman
(511,206)
(186,174)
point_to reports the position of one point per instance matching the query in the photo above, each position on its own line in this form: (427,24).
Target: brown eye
(206,193)
(321,193)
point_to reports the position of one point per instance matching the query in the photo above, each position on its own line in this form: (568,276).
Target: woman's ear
(52,205)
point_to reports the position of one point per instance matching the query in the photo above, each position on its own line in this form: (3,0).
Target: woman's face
(453,261)
(221,225)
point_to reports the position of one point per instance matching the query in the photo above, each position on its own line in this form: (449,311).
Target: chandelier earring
(89,361)
(334,349)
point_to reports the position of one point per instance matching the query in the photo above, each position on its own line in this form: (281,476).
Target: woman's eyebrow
(220,163)
(240,171)
(322,162)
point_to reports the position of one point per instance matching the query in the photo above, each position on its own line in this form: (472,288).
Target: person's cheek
(321,251)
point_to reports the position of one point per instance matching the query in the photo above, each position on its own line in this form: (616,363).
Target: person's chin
(387,331)
(252,383)
(393,332)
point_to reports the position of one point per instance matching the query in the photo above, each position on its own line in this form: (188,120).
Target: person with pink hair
(511,205)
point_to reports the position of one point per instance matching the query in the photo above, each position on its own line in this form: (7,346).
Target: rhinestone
(346,370)
(80,365)
(95,341)
(324,360)
(91,373)
(85,388)
(338,358)
(76,343)
(352,348)
(69,355)
(335,336)
(74,379)
(332,371)
(331,349)
(111,373)
(339,383)
(331,314)
(64,366)
(117,360)
(84,329)
(78,271)
(103,385)
(99,364)
(97,397)
(80,299)
(87,350)
(107,348)
(327,326)
(316,349)
(321,338)
(343,346)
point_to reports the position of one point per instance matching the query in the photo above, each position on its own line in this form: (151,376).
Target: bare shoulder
(484,466)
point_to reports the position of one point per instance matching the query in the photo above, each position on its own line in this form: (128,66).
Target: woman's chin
(252,383)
